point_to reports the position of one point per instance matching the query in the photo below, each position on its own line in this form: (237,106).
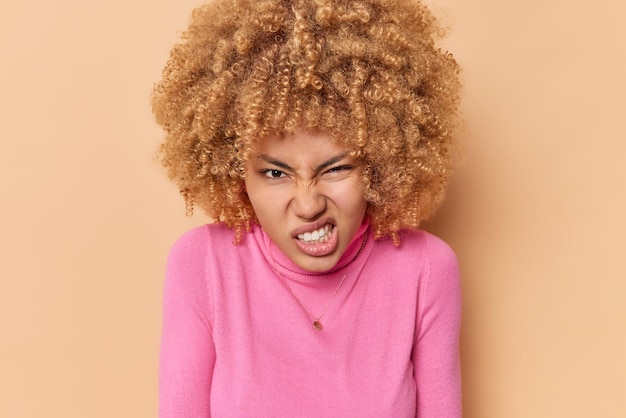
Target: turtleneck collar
(288,268)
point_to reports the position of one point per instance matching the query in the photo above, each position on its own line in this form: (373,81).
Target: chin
(317,264)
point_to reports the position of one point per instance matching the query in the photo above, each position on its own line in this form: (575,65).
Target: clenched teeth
(317,236)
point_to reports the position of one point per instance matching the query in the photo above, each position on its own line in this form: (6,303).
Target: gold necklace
(317,320)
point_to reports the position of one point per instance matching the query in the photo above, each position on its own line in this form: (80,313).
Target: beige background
(537,218)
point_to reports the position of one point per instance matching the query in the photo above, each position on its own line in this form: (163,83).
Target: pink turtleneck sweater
(236,342)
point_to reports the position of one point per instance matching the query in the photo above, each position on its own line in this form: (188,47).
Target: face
(306,193)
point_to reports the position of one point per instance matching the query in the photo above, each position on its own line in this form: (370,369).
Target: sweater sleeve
(187,352)
(436,353)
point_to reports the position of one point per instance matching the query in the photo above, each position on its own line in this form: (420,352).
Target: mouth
(317,236)
(318,242)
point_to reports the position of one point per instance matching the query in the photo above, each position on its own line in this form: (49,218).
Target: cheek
(254,194)
(350,197)
(266,201)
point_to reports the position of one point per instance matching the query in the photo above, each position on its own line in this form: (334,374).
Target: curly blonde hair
(365,72)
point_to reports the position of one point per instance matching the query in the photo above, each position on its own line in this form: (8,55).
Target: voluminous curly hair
(365,72)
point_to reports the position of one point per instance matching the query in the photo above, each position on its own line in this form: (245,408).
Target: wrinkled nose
(308,203)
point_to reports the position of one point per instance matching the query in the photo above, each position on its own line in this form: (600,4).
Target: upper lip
(314,226)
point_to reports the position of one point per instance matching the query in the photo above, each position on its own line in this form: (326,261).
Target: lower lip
(320,249)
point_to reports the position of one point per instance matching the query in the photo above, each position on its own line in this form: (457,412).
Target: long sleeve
(436,354)
(187,351)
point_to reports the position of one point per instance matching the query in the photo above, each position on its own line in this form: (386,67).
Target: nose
(308,202)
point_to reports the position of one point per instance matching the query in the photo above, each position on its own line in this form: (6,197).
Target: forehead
(302,145)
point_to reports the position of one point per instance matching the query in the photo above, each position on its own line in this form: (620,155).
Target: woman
(318,134)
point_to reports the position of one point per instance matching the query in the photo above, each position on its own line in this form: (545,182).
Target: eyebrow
(320,167)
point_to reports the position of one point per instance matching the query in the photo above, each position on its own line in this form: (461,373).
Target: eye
(273,174)
(340,169)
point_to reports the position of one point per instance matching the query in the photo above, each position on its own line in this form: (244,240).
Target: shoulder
(189,263)
(435,250)
(420,245)
(191,250)
(420,256)
(439,257)
(434,257)
(442,278)
(198,239)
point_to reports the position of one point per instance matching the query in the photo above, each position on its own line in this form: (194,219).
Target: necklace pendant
(317,325)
